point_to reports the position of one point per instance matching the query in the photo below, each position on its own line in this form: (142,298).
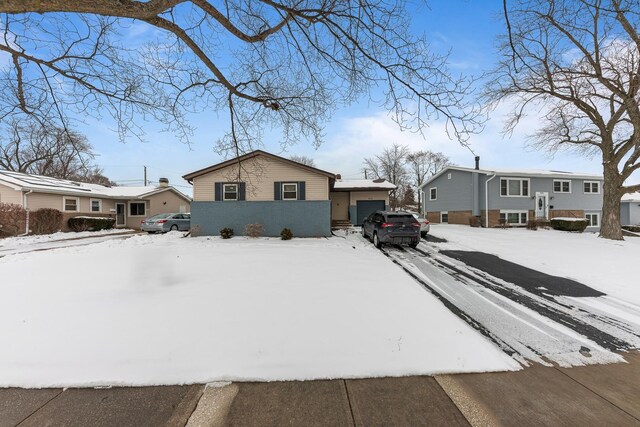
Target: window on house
(593,219)
(449,176)
(444,217)
(514,187)
(71,204)
(290,191)
(137,209)
(514,217)
(96,205)
(230,192)
(561,186)
(592,187)
(433,193)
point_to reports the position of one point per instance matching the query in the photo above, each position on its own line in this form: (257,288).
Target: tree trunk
(610,224)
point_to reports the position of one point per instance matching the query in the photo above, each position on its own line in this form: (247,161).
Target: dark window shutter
(301,191)
(242,190)
(277,190)
(218,192)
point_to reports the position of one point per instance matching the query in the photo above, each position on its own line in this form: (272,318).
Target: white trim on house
(64,204)
(584,183)
(541,195)
(282,191)
(442,214)
(506,213)
(91,205)
(224,192)
(141,202)
(431,194)
(562,182)
(592,214)
(509,178)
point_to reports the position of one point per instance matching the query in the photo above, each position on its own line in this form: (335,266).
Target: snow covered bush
(286,234)
(569,224)
(12,219)
(88,223)
(226,233)
(254,230)
(45,221)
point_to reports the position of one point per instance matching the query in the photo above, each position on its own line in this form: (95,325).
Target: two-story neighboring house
(457,194)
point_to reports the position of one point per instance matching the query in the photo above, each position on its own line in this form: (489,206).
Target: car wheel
(363,232)
(423,234)
(174,228)
(413,245)
(376,241)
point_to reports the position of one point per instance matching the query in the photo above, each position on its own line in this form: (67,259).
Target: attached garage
(366,207)
(363,196)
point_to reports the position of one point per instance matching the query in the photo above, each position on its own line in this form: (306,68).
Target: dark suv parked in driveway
(397,228)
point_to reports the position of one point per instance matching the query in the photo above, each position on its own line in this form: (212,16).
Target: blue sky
(467,28)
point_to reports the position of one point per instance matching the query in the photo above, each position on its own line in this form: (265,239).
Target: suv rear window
(401,219)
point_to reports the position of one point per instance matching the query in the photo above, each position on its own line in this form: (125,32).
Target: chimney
(164,182)
(338,176)
(477,162)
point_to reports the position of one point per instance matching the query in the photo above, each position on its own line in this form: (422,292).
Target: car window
(378,218)
(401,219)
(161,216)
(177,216)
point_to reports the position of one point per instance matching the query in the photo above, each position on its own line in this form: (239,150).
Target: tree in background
(304,160)
(423,164)
(580,59)
(262,64)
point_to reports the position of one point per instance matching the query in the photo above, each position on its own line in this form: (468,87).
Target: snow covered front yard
(172,310)
(606,265)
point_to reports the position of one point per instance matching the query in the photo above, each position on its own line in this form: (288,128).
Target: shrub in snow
(254,230)
(195,231)
(12,219)
(569,224)
(226,233)
(45,221)
(87,223)
(286,234)
(532,224)
(632,228)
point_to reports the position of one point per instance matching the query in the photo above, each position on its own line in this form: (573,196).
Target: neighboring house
(630,209)
(128,205)
(260,187)
(457,194)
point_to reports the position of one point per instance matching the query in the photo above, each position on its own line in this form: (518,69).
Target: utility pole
(145,176)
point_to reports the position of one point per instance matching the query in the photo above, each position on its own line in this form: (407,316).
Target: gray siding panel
(310,218)
(455,194)
(634,213)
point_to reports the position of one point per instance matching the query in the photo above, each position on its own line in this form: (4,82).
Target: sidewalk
(593,395)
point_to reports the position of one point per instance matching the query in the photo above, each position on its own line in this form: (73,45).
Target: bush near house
(12,219)
(569,224)
(226,233)
(286,234)
(254,230)
(87,223)
(45,221)
(632,228)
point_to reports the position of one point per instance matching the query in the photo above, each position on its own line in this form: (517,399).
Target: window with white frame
(514,187)
(289,191)
(230,192)
(433,193)
(137,209)
(561,186)
(449,175)
(514,217)
(444,217)
(70,204)
(96,205)
(592,187)
(593,219)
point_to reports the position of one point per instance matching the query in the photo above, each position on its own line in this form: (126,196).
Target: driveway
(19,247)
(531,316)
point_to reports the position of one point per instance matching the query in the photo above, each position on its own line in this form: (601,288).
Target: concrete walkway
(594,395)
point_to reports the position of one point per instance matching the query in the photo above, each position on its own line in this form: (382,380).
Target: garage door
(366,207)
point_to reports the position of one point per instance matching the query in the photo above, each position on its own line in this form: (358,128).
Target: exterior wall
(260,173)
(304,218)
(630,213)
(455,217)
(369,195)
(9,195)
(339,205)
(433,217)
(564,213)
(454,194)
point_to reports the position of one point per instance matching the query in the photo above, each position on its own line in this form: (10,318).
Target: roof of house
(189,177)
(363,184)
(518,172)
(45,184)
(631,197)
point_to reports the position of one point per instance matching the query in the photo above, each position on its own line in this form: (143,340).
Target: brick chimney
(164,182)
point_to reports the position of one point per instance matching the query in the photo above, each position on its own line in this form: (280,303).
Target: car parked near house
(424,224)
(398,228)
(165,222)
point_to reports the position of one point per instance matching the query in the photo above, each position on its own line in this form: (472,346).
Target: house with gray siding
(260,187)
(456,195)
(630,209)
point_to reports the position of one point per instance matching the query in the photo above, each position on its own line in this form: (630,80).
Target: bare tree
(390,165)
(58,153)
(305,160)
(580,59)
(261,63)
(423,164)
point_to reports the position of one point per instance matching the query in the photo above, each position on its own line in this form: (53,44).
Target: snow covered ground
(172,310)
(11,245)
(606,265)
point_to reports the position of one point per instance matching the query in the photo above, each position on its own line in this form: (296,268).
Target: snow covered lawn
(172,310)
(606,265)
(28,243)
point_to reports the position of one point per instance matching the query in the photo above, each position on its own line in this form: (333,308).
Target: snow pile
(14,242)
(570,219)
(171,310)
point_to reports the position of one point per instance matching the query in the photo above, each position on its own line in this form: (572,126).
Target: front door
(120,216)
(542,205)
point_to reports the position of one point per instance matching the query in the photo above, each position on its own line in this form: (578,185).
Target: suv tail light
(386,224)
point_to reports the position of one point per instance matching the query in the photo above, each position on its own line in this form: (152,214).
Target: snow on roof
(55,185)
(631,197)
(368,184)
